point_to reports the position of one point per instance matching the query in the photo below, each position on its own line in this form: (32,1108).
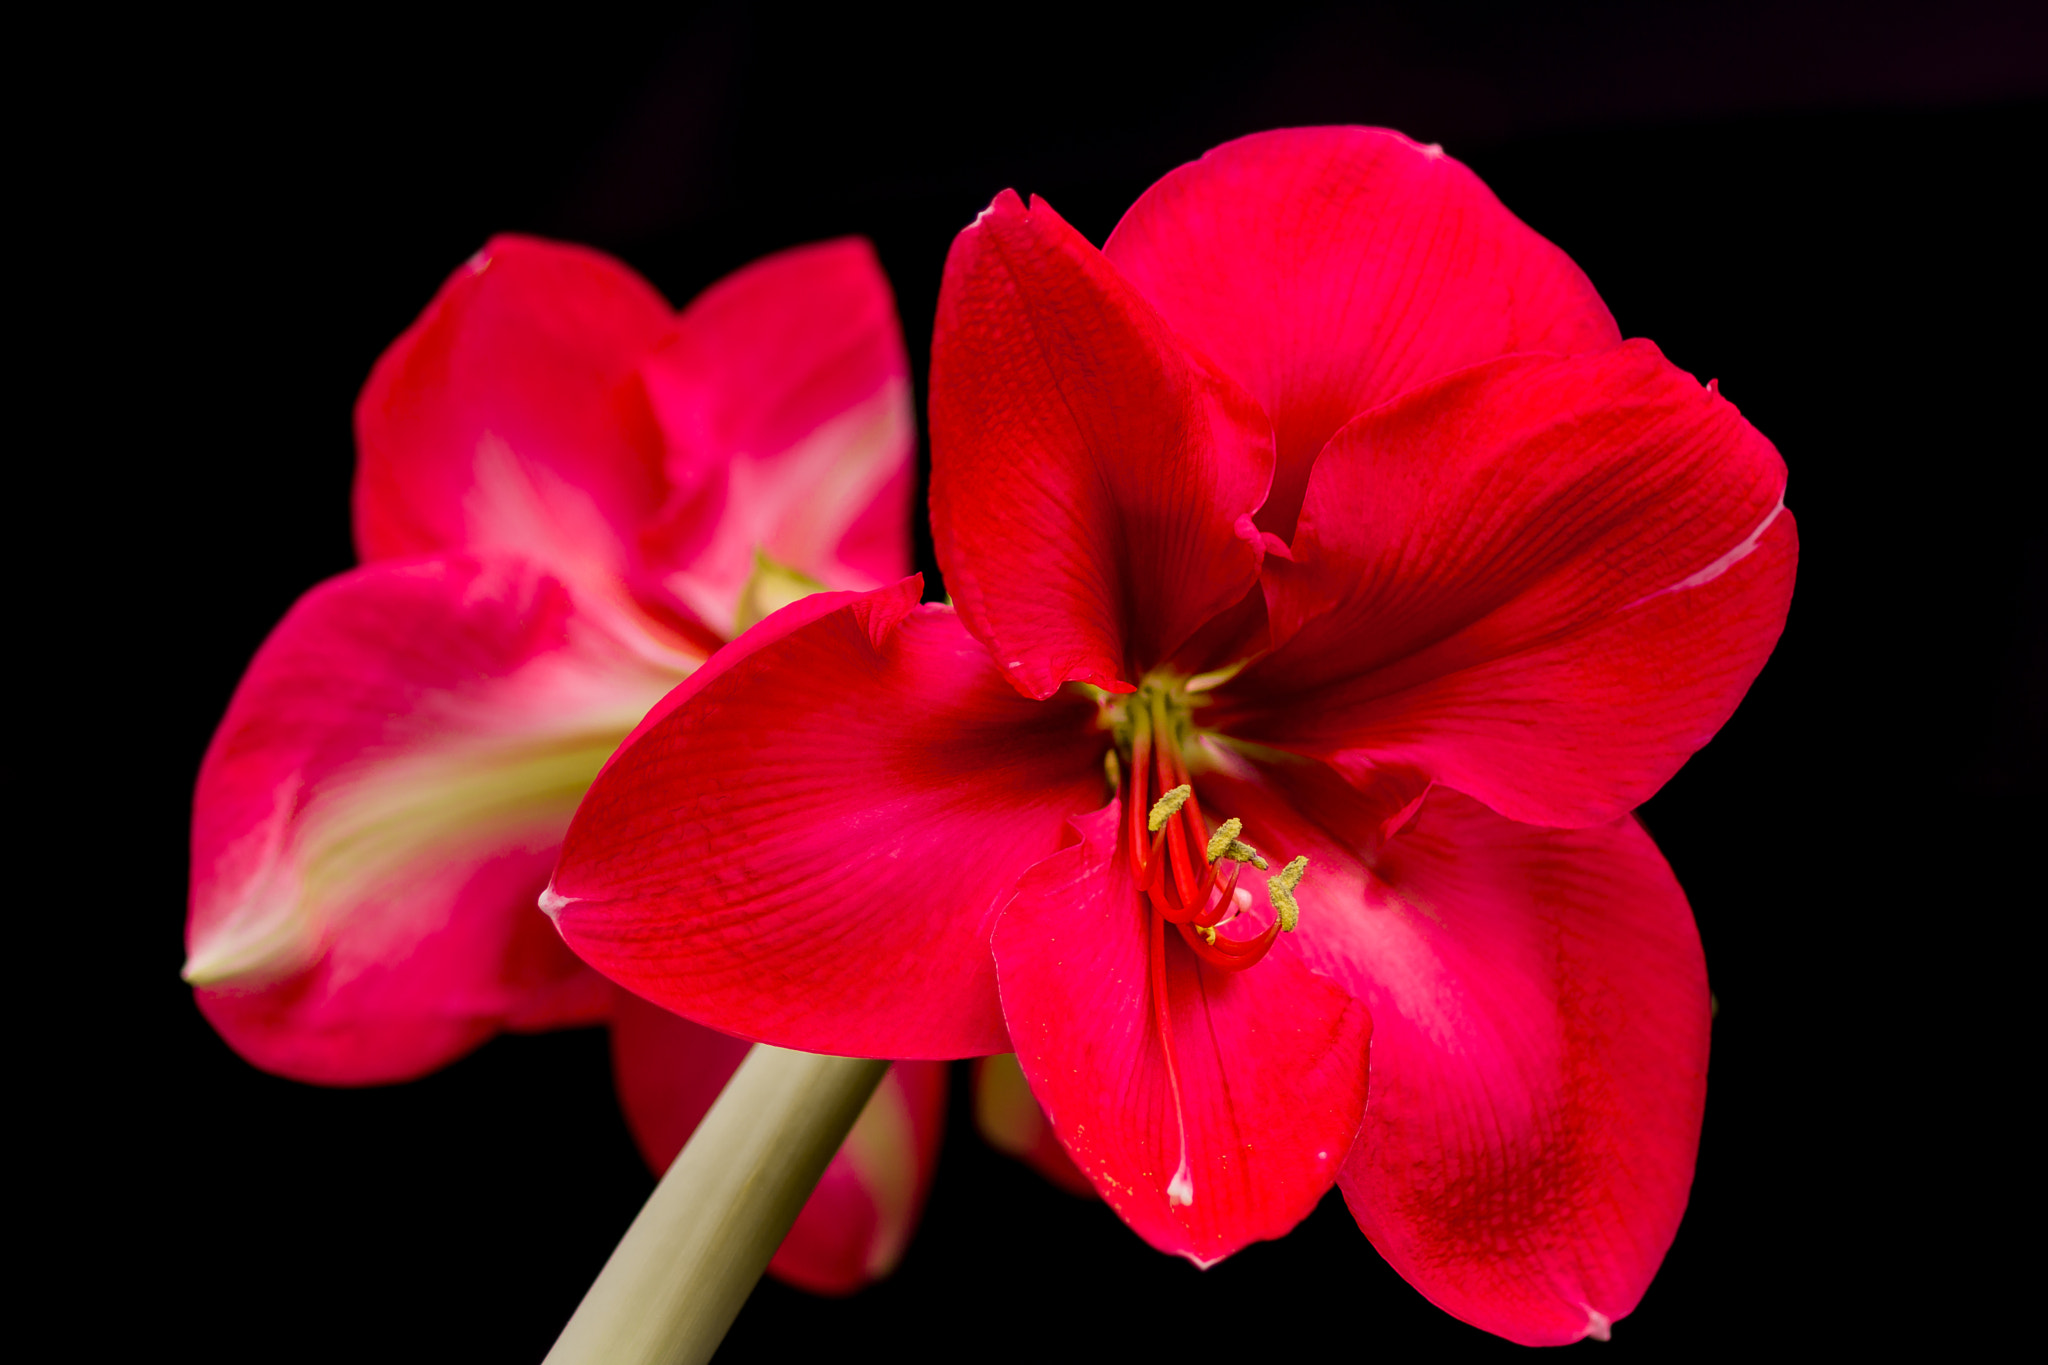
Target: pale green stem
(677,1279)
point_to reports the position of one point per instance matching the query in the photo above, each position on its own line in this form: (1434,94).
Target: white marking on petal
(1598,1325)
(1726,562)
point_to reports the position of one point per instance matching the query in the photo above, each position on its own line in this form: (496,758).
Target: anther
(1224,843)
(1280,890)
(1168,806)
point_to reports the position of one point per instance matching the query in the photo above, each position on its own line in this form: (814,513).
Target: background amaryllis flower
(568,495)
(1326,499)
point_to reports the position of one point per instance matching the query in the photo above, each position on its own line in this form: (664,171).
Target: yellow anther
(1208,934)
(1280,890)
(1168,806)
(1224,843)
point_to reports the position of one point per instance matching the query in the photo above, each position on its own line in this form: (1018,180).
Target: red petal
(858,1221)
(784,402)
(380,807)
(509,416)
(806,843)
(1329,269)
(1088,477)
(1542,582)
(1539,1049)
(1272,1060)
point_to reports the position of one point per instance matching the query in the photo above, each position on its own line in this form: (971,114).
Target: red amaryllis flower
(568,495)
(1323,514)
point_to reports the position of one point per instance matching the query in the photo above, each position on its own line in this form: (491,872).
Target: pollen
(1167,806)
(1280,890)
(1224,843)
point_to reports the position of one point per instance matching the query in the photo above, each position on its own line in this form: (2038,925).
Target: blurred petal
(668,1071)
(510,416)
(857,1223)
(1007,1115)
(859,1220)
(784,403)
(379,810)
(1327,270)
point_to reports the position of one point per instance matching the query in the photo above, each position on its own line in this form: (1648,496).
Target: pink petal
(859,1220)
(1089,479)
(1539,1051)
(1542,582)
(808,842)
(380,807)
(510,416)
(1272,1060)
(1329,269)
(784,402)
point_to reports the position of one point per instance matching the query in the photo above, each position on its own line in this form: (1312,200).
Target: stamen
(1280,890)
(1168,806)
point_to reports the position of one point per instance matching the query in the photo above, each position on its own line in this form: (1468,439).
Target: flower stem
(677,1279)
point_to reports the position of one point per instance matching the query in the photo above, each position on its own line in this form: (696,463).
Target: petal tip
(553,903)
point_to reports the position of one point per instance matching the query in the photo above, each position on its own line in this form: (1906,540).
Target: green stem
(677,1279)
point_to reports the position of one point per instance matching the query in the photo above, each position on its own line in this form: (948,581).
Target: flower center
(1187,872)
(1162,830)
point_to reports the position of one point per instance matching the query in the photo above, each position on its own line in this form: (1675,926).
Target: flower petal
(1329,269)
(1090,480)
(857,1223)
(1542,582)
(807,843)
(510,416)
(1539,1051)
(784,403)
(1272,1060)
(380,807)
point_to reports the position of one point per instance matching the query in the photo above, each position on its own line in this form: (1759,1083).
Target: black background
(1826,206)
